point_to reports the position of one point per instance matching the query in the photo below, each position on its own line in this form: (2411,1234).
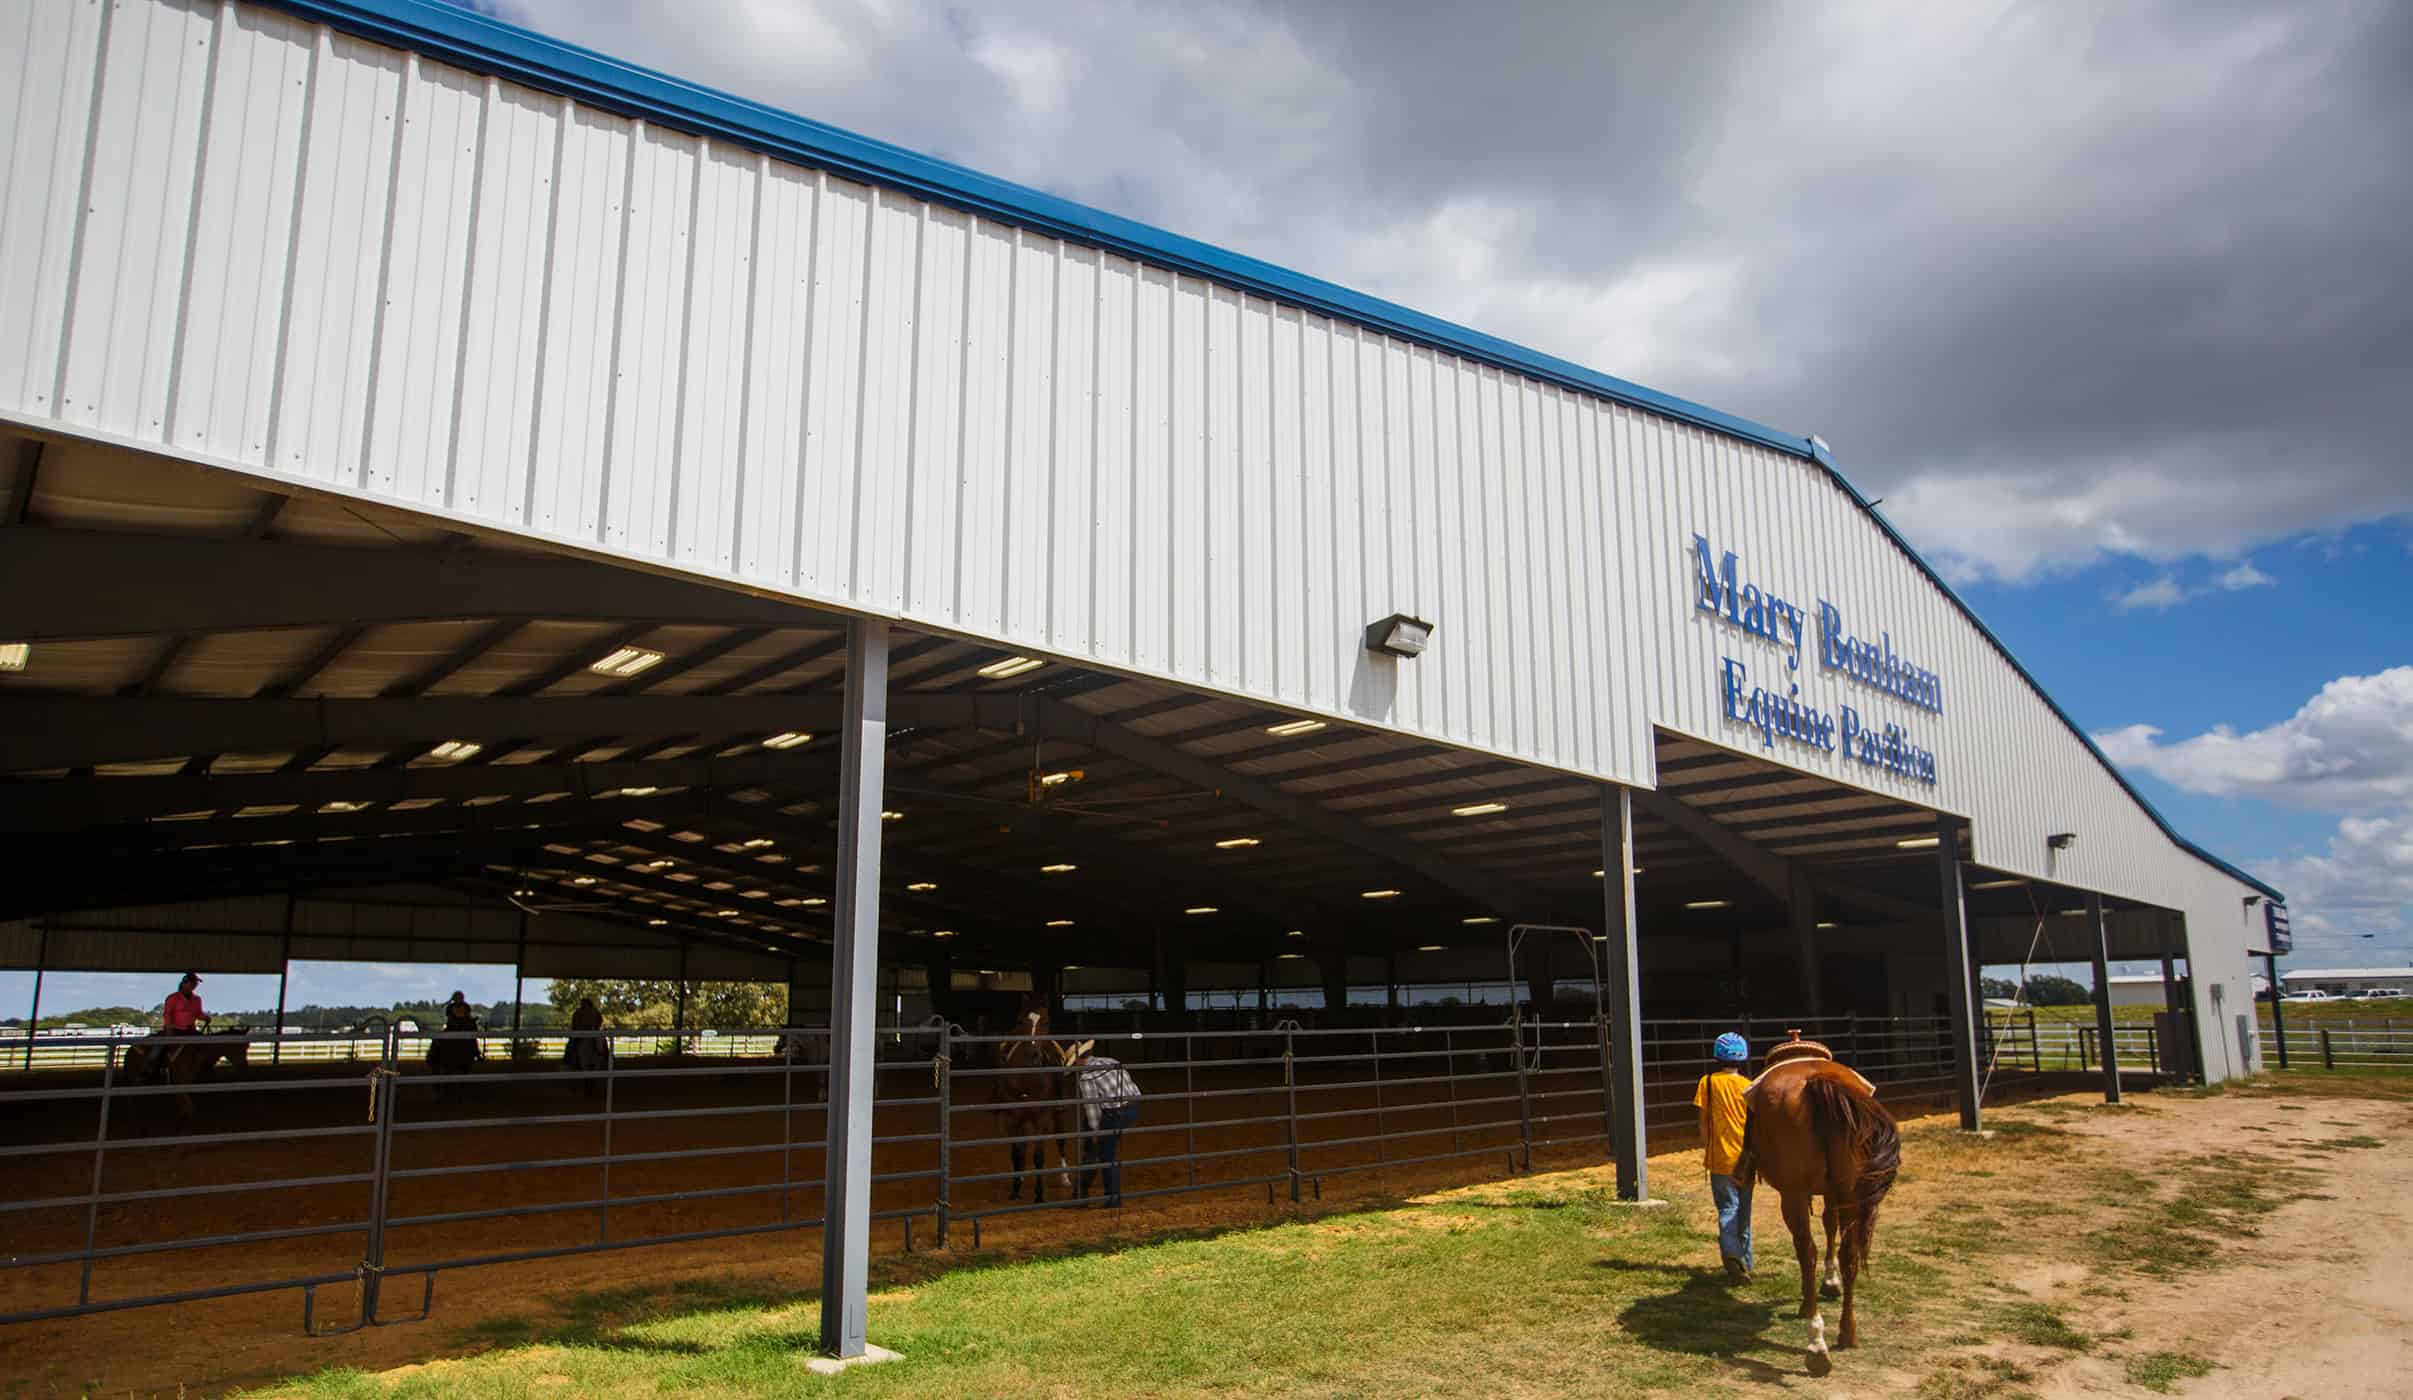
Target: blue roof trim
(483,44)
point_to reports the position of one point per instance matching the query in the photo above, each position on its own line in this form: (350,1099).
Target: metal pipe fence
(2342,1045)
(306,1179)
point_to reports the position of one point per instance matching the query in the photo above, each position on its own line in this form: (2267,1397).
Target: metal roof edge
(482,43)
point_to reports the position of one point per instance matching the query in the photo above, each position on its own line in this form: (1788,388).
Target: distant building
(2346,981)
(2141,989)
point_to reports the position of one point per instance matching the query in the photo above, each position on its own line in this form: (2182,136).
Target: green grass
(1540,1286)
(2161,1371)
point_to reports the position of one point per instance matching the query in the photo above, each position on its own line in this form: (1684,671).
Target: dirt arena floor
(1349,1152)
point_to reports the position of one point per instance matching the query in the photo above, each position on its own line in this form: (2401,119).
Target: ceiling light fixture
(1598,873)
(1235,843)
(1297,726)
(455,749)
(638,791)
(1478,809)
(892,816)
(626,662)
(755,843)
(921,887)
(656,923)
(1828,923)
(1706,903)
(1399,635)
(1059,868)
(1997,884)
(1069,775)
(942,933)
(1011,667)
(1059,923)
(582,879)
(1296,933)
(815,902)
(1286,957)
(344,807)
(1432,947)
(787,739)
(1201,909)
(1378,894)
(14,655)
(724,913)
(1479,919)
(1919,843)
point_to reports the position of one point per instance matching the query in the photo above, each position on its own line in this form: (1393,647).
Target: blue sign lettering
(1720,590)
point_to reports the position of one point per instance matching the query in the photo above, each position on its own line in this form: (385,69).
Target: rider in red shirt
(183,1014)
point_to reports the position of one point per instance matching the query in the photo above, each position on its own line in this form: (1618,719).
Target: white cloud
(2163,592)
(2349,749)
(2361,885)
(2245,575)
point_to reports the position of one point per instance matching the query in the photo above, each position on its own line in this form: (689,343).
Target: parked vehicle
(2307,996)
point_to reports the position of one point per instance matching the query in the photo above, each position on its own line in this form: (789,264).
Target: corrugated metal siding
(267,246)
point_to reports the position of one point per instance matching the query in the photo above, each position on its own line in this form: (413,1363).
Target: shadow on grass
(1704,1316)
(601,1318)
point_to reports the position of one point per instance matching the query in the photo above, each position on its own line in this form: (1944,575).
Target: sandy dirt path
(2316,1305)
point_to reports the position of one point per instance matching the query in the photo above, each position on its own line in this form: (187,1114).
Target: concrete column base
(832,1365)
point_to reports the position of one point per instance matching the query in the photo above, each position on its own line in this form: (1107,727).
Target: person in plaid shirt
(1109,1106)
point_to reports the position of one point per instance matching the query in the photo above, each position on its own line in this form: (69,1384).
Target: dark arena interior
(266,727)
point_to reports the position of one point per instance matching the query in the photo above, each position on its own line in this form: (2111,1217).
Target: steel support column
(1959,969)
(2103,1028)
(1628,1140)
(854,992)
(33,1017)
(1804,908)
(284,974)
(2278,1017)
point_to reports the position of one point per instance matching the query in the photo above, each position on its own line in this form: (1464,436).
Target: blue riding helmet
(1731,1049)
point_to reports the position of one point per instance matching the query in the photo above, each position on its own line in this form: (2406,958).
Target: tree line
(626,1004)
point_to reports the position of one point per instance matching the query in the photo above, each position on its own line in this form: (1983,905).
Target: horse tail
(1844,1115)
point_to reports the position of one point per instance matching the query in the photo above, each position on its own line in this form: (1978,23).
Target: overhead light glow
(892,816)
(1432,948)
(344,807)
(1297,933)
(522,894)
(921,887)
(1296,726)
(1919,843)
(724,913)
(1069,775)
(1598,873)
(1478,809)
(1059,868)
(639,791)
(1286,957)
(787,739)
(455,749)
(815,902)
(1059,923)
(2078,913)
(1706,903)
(755,843)
(626,662)
(14,655)
(942,933)
(582,879)
(1200,909)
(1828,923)
(1378,894)
(656,923)
(1997,884)
(1011,667)
(1235,843)
(1479,919)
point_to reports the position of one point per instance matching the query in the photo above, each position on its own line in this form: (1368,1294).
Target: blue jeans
(1734,1217)
(1102,1152)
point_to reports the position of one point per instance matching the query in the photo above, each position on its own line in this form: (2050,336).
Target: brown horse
(1815,1128)
(1029,1107)
(190,1062)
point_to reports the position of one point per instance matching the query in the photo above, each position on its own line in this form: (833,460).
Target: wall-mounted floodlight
(1399,635)
(2062,840)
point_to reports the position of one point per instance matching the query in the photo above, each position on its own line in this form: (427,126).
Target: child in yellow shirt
(1720,1099)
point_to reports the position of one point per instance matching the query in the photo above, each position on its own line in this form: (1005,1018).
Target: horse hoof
(1830,1290)
(1820,1363)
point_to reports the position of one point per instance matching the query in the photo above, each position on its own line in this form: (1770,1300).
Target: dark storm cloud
(2057,279)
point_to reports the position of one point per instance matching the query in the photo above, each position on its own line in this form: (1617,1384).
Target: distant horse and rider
(1815,1128)
(187,1061)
